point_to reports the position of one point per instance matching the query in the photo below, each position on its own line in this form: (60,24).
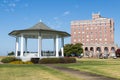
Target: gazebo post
(57,43)
(62,44)
(55,46)
(16,46)
(22,47)
(39,44)
(25,45)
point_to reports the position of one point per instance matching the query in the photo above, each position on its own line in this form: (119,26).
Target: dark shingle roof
(39,26)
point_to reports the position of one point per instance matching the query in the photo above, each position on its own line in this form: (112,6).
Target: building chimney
(95,16)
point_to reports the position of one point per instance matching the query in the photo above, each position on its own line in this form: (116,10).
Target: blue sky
(57,14)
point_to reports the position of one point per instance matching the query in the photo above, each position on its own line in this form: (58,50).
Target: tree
(73,49)
(11,53)
(77,49)
(68,49)
(117,52)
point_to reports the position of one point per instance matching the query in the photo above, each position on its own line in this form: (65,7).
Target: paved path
(80,74)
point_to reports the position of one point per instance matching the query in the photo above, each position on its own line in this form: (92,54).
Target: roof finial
(40,20)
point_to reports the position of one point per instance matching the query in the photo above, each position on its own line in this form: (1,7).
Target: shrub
(9,59)
(20,62)
(57,60)
(35,60)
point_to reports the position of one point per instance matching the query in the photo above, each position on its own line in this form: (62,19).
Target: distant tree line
(11,53)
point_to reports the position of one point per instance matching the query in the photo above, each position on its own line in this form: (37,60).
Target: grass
(106,67)
(31,72)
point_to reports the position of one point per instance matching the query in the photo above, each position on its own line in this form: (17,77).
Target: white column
(22,47)
(57,43)
(39,44)
(16,46)
(94,51)
(54,45)
(62,44)
(25,45)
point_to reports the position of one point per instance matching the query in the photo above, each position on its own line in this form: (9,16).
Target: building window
(83,29)
(74,40)
(100,39)
(95,27)
(91,39)
(87,39)
(74,32)
(87,28)
(105,42)
(87,36)
(105,39)
(91,28)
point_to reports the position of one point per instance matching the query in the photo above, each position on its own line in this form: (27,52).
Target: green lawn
(106,67)
(31,72)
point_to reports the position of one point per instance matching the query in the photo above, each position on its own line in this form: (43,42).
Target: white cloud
(8,5)
(66,13)
(55,18)
(11,4)
(59,20)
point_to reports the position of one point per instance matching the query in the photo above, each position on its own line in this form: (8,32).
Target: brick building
(96,35)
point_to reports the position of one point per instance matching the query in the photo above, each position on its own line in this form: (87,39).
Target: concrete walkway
(79,74)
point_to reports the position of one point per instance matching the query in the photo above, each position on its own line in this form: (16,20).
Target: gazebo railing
(35,54)
(48,53)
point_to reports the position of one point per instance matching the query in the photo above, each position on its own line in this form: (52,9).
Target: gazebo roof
(32,32)
(39,26)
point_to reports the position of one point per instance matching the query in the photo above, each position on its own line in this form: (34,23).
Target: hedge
(9,59)
(57,60)
(21,62)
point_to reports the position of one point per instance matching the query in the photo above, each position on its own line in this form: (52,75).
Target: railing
(43,53)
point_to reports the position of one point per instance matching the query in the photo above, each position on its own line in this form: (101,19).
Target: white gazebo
(39,31)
